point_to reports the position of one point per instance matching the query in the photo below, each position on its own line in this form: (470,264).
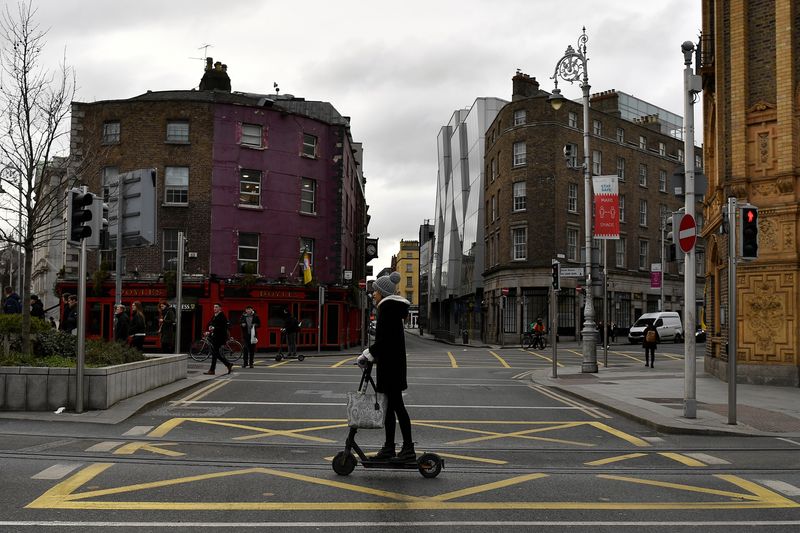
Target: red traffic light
(750,215)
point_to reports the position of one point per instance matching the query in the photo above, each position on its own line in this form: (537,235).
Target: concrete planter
(43,389)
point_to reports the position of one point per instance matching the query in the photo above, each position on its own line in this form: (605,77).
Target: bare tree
(34,110)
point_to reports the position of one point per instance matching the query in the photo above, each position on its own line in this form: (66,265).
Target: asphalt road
(253,450)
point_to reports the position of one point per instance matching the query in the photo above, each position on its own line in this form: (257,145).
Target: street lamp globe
(556,99)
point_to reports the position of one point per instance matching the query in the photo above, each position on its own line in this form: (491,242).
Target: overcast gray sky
(398,69)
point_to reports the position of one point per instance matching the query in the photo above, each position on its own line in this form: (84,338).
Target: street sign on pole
(572,272)
(687,233)
(504,290)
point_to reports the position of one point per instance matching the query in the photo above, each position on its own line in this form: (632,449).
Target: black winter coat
(121,327)
(247,332)
(389,348)
(646,344)
(219,333)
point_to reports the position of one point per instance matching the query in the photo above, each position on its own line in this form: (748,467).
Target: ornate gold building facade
(750,59)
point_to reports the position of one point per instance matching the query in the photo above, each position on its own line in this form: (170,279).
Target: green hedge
(54,348)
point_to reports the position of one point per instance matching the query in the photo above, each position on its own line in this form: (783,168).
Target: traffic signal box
(674,252)
(748,232)
(79,214)
(556,282)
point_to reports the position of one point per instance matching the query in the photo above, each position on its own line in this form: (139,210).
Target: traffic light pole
(79,364)
(179,291)
(120,232)
(731,315)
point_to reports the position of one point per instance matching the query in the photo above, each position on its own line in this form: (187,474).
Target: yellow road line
(475,459)
(636,441)
(502,361)
(594,412)
(215,384)
(540,356)
(132,447)
(681,486)
(63,496)
(285,361)
(269,432)
(287,433)
(683,459)
(453,363)
(469,491)
(343,361)
(618,458)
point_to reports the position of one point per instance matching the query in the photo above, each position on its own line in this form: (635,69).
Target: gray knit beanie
(386,285)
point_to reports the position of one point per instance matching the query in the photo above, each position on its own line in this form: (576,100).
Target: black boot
(386,453)
(407,452)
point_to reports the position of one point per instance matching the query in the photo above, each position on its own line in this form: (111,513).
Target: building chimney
(523,86)
(215,77)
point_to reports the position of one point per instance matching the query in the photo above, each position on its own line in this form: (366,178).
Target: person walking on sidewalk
(389,352)
(218,334)
(138,326)
(121,324)
(650,343)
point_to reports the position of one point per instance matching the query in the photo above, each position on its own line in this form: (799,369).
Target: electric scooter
(280,355)
(429,464)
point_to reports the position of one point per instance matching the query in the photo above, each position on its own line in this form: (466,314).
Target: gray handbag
(366,409)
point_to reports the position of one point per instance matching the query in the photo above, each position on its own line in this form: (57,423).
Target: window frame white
(175,133)
(112,132)
(240,247)
(520,156)
(305,192)
(572,244)
(176,185)
(642,175)
(520,117)
(310,144)
(254,180)
(642,212)
(520,199)
(572,119)
(519,244)
(619,253)
(644,254)
(248,135)
(572,197)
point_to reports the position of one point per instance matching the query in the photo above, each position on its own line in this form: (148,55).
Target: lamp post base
(589,363)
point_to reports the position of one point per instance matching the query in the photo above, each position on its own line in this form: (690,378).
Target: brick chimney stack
(523,86)
(215,77)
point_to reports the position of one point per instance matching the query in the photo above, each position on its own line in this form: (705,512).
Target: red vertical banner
(606,207)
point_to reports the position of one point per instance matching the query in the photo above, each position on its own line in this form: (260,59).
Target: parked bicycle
(200,350)
(534,340)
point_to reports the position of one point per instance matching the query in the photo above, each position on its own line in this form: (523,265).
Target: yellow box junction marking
(502,361)
(64,495)
(594,412)
(618,458)
(248,424)
(683,459)
(133,447)
(453,363)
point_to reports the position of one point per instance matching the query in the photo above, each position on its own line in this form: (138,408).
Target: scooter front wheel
(301,357)
(279,357)
(344,463)
(430,465)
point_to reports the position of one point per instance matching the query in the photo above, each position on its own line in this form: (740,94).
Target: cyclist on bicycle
(538,328)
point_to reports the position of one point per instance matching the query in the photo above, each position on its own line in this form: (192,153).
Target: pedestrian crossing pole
(80,356)
(732,235)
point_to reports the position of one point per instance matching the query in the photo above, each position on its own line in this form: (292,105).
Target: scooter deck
(372,463)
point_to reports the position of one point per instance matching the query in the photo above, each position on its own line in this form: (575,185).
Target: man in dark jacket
(291,326)
(70,322)
(218,333)
(389,353)
(166,327)
(12,303)
(121,324)
(37,307)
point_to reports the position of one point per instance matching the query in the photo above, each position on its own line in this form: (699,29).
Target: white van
(668,324)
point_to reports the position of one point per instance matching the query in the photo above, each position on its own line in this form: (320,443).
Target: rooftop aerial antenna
(204,48)
(275,86)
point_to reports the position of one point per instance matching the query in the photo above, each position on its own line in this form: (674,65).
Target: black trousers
(217,354)
(248,353)
(649,355)
(396,411)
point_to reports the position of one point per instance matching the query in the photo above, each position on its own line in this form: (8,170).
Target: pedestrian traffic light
(556,267)
(78,215)
(748,232)
(674,252)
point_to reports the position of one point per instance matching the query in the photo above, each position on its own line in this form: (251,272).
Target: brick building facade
(750,67)
(534,208)
(252,181)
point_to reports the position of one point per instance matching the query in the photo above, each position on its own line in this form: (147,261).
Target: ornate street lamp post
(572,67)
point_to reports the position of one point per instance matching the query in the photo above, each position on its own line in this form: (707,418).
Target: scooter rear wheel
(430,465)
(344,463)
(301,357)
(279,357)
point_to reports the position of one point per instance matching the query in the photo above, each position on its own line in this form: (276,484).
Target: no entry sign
(687,233)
